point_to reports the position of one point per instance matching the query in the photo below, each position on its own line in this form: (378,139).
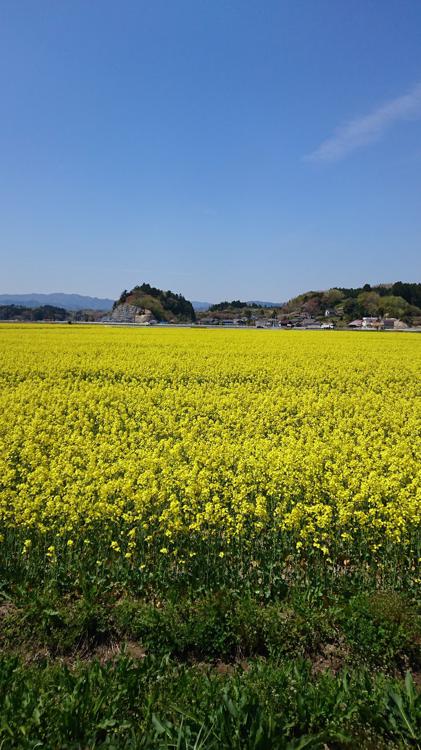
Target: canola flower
(198,434)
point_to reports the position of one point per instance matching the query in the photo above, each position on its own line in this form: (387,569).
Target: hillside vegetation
(47,313)
(164,305)
(401,301)
(398,300)
(43,312)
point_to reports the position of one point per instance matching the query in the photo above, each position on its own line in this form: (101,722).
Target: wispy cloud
(368,128)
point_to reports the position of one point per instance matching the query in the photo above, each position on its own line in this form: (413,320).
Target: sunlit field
(165,443)
(243,481)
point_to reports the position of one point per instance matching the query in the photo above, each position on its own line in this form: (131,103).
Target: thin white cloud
(368,128)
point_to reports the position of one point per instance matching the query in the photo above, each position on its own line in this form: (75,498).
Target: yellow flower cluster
(203,433)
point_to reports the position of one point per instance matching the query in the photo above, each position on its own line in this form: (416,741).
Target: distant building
(309,323)
(208,321)
(355,324)
(370,322)
(388,323)
(262,323)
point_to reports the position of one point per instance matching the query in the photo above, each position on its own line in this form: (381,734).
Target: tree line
(44,312)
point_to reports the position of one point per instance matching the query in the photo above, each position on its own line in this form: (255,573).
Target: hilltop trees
(164,305)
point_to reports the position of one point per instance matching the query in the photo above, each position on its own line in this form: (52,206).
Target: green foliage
(219,669)
(399,300)
(61,625)
(235,304)
(43,312)
(383,629)
(151,703)
(375,628)
(165,305)
(156,628)
(254,649)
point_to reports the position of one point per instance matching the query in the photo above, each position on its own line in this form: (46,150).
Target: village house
(369,322)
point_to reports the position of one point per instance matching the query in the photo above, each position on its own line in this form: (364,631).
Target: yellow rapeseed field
(206,434)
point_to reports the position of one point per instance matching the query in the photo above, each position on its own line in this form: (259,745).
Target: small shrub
(383,629)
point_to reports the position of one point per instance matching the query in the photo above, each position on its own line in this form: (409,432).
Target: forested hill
(164,305)
(400,300)
(43,312)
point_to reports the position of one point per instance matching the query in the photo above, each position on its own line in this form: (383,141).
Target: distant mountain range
(81,302)
(58,299)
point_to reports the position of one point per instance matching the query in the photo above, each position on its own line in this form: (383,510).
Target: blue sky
(217,148)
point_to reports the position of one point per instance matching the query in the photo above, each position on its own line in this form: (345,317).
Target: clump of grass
(153,704)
